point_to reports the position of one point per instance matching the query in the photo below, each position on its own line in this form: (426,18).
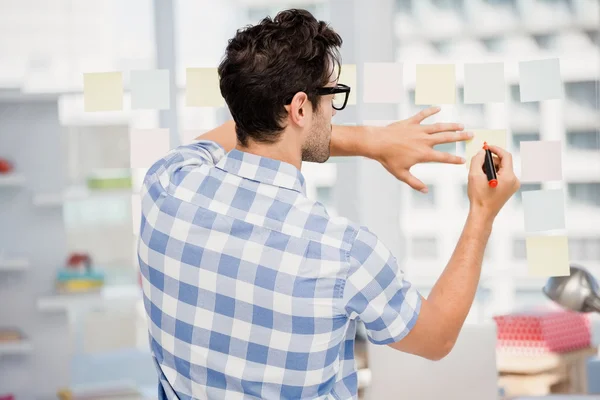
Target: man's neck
(281,151)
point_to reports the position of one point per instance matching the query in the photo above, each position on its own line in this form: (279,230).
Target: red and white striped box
(540,332)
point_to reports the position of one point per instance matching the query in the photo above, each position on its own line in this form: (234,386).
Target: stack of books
(78,276)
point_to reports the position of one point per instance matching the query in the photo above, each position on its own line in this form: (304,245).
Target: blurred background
(70,197)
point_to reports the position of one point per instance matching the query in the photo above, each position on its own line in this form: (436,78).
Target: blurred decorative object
(7,397)
(120,391)
(78,275)
(577,292)
(544,331)
(113,180)
(10,335)
(6,167)
(13,342)
(540,375)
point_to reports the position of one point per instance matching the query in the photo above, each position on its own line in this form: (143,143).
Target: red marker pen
(488,166)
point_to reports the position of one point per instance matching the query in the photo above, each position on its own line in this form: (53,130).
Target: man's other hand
(401,145)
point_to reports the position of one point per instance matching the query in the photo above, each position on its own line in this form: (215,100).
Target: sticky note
(543,210)
(136,213)
(547,256)
(495,137)
(382,83)
(540,80)
(435,84)
(150,89)
(348,77)
(484,83)
(147,146)
(103,91)
(541,161)
(202,88)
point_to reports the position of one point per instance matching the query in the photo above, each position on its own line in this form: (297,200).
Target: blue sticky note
(544,210)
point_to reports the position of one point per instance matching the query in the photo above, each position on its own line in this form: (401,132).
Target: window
(404,6)
(519,249)
(446,147)
(424,200)
(584,248)
(518,137)
(583,140)
(450,5)
(585,193)
(424,248)
(582,93)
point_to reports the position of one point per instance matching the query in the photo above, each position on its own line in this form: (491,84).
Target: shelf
(14,264)
(65,302)
(15,348)
(12,180)
(77,194)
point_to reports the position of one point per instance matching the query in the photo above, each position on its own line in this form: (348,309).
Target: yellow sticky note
(202,88)
(547,256)
(435,84)
(348,77)
(103,91)
(495,137)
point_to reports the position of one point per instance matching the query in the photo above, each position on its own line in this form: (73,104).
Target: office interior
(70,196)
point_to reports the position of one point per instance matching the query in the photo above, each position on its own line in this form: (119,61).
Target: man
(253,290)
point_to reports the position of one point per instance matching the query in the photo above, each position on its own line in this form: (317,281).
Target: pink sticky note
(541,161)
(148,146)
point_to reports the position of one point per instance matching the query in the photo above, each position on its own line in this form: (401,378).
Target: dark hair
(268,63)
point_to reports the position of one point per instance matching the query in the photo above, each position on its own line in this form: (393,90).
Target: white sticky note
(150,89)
(543,210)
(495,137)
(103,91)
(484,83)
(147,146)
(547,256)
(136,213)
(382,83)
(202,88)
(348,77)
(435,84)
(541,161)
(540,80)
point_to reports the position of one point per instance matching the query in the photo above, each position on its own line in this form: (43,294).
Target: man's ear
(298,109)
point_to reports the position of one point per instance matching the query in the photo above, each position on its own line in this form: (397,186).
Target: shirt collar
(263,169)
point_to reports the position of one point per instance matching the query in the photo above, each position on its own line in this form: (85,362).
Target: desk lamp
(577,292)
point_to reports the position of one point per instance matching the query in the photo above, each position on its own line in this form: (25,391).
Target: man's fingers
(426,113)
(413,182)
(446,158)
(443,127)
(476,167)
(450,137)
(504,156)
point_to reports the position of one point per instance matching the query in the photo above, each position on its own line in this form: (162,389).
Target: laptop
(469,372)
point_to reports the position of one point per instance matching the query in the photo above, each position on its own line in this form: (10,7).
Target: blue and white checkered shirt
(251,289)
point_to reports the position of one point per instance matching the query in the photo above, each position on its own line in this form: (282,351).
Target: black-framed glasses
(340,94)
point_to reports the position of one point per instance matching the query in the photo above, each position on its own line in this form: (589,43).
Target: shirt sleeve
(376,293)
